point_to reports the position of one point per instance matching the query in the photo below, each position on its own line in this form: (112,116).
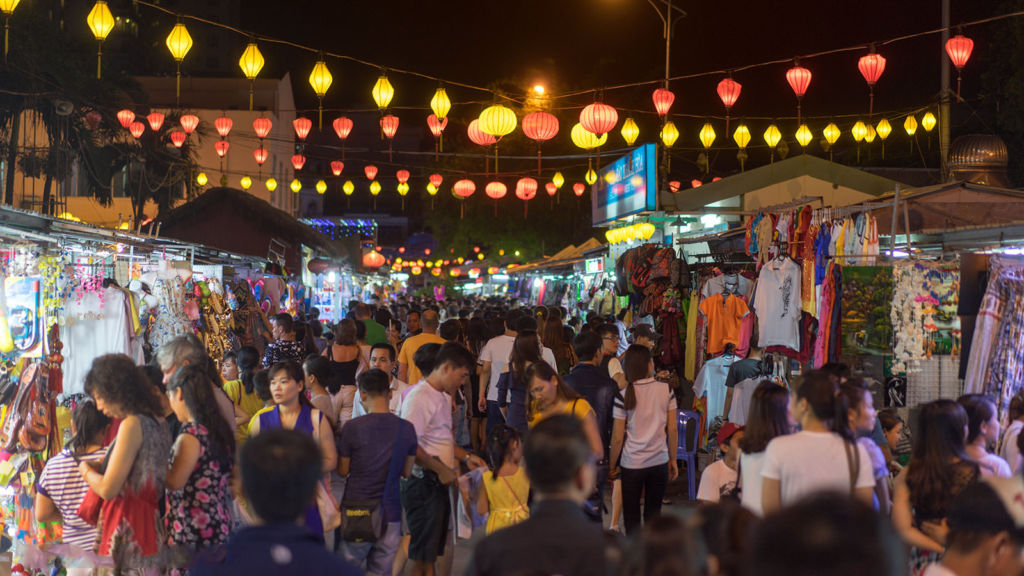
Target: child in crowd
(505,485)
(719,479)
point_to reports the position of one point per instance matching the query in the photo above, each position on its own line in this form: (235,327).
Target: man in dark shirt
(280,469)
(592,382)
(558,538)
(284,348)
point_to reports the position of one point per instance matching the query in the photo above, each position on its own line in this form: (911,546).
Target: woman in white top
(642,414)
(768,418)
(823,456)
(982,432)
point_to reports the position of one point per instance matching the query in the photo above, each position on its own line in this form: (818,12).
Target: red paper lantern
(178,138)
(871,67)
(578,189)
(137,128)
(436,126)
(426,251)
(478,136)
(476,249)
(189,123)
(696,183)
(599,118)
(126,117)
(302,127)
(298,161)
(464,188)
(729,92)
(959,49)
(402,176)
(156,120)
(371,172)
(262,126)
(674,186)
(336,167)
(551,189)
(93,119)
(496,190)
(343,126)
(389,125)
(373,259)
(526,188)
(716,178)
(223,126)
(436,180)
(401,249)
(540,126)
(799,79)
(260,154)
(222,147)
(663,99)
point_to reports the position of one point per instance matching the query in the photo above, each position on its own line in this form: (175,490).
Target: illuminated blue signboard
(627,186)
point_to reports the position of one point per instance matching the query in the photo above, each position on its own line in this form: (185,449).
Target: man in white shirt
(493,361)
(382,357)
(986,531)
(425,496)
(719,479)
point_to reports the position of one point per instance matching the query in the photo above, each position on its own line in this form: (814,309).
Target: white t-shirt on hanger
(777,303)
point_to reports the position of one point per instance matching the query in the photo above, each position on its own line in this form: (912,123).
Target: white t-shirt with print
(777,303)
(716,481)
(430,412)
(646,444)
(806,463)
(496,351)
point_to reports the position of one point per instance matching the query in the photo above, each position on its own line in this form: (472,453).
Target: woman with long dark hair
(938,471)
(642,414)
(242,391)
(554,338)
(549,395)
(526,350)
(769,417)
(983,432)
(198,497)
(823,456)
(347,361)
(132,483)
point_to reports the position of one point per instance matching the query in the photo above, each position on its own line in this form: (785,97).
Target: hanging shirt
(777,303)
(732,283)
(725,318)
(710,382)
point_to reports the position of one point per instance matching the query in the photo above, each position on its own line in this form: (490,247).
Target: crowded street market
(310,288)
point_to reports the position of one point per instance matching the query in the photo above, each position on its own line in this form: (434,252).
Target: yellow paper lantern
(271,184)
(669,134)
(320,78)
(741,136)
(869,136)
(831,133)
(910,125)
(251,61)
(497,120)
(804,135)
(707,135)
(296,186)
(321,187)
(883,128)
(8,6)
(590,177)
(100,20)
(383,92)
(403,188)
(202,179)
(585,139)
(440,103)
(179,42)
(348,188)
(431,189)
(480,256)
(630,131)
(245,182)
(558,180)
(928,121)
(374,188)
(772,136)
(859,131)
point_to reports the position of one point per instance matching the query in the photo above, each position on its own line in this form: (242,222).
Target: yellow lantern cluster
(497,120)
(669,134)
(707,135)
(585,139)
(630,131)
(383,92)
(440,103)
(741,136)
(638,231)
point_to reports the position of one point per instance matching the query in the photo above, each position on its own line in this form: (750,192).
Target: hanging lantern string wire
(589,91)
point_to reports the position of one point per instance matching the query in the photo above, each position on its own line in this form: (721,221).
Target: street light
(668,24)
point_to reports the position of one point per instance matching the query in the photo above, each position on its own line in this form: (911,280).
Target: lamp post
(672,15)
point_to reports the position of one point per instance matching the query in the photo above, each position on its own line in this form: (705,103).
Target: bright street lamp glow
(538,89)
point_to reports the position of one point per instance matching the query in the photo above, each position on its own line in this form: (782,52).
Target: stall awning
(565,257)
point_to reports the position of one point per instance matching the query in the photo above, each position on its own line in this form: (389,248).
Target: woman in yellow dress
(550,395)
(506,487)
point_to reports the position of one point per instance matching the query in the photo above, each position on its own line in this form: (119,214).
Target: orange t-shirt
(724,320)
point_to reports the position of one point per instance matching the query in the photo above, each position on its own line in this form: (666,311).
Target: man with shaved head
(407,371)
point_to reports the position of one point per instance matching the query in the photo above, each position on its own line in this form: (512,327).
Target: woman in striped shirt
(61,487)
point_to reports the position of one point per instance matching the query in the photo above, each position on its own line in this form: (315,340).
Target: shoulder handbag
(91,506)
(853,463)
(363,520)
(330,516)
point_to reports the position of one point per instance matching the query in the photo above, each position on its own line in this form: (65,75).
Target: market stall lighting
(374,188)
(251,62)
(155,120)
(221,146)
(189,123)
(477,135)
(831,133)
(436,179)
(260,155)
(558,180)
(137,128)
(383,92)
(772,136)
(869,136)
(262,127)
(296,186)
(271,184)
(348,188)
(663,99)
(370,171)
(336,167)
(599,118)
(298,161)
(202,179)
(586,139)
(245,182)
(707,135)
(630,131)
(343,127)
(223,126)
(302,127)
(859,131)
(804,135)
(928,121)
(590,177)
(910,125)
(669,134)
(178,138)
(125,117)
(638,231)
(742,136)
(321,187)
(498,121)
(884,128)
(959,49)
(440,103)
(100,21)
(320,79)
(374,259)
(578,189)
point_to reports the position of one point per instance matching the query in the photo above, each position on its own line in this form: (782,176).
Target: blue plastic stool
(688,424)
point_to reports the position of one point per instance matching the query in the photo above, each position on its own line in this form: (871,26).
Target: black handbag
(362,520)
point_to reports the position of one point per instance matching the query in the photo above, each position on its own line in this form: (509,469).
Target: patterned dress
(198,515)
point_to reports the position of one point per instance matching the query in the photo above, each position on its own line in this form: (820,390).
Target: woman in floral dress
(198,498)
